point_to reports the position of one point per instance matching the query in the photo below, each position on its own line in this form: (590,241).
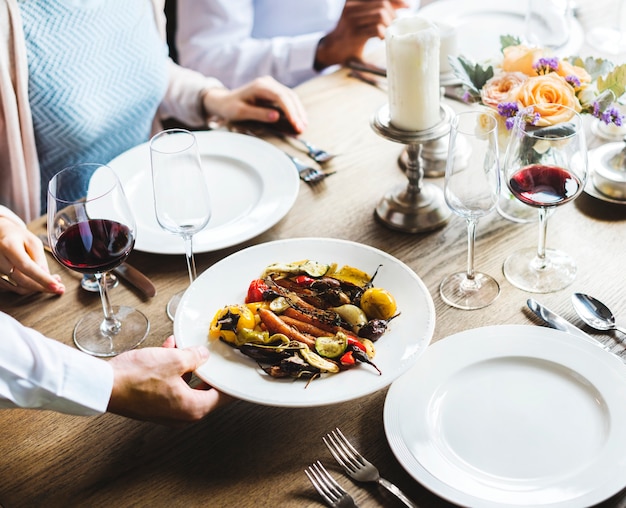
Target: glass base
(607,40)
(460,292)
(90,337)
(525,270)
(90,283)
(172,305)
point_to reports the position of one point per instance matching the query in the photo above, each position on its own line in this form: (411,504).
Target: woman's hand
(258,100)
(23,264)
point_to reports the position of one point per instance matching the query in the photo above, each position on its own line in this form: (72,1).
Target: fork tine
(324,483)
(343,451)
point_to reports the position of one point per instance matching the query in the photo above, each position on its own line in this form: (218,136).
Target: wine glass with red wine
(471,189)
(545,166)
(91,230)
(181,195)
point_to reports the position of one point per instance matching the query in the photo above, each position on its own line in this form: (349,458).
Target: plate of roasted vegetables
(306,321)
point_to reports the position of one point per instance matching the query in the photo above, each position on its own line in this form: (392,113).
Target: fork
(332,493)
(357,466)
(317,154)
(308,174)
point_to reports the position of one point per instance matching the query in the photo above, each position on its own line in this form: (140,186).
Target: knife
(553,320)
(127,272)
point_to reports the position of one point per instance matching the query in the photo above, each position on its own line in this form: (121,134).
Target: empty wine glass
(610,39)
(181,195)
(91,229)
(545,166)
(471,189)
(548,23)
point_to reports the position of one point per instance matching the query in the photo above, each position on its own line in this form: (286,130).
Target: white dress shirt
(38,372)
(239,40)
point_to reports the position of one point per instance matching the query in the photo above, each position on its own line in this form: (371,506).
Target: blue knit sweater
(97,73)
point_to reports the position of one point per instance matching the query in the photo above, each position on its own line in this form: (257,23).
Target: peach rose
(521,59)
(499,88)
(567,69)
(546,93)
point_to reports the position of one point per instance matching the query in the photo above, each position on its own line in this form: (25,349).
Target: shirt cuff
(86,386)
(302,53)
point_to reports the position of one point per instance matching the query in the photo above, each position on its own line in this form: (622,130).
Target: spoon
(595,313)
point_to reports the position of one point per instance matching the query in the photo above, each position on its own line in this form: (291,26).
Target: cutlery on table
(454,92)
(332,493)
(553,320)
(308,174)
(593,312)
(317,154)
(127,272)
(360,66)
(357,467)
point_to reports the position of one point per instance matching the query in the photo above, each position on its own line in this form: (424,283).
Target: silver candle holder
(418,206)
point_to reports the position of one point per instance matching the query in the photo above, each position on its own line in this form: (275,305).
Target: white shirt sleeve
(38,372)
(215,37)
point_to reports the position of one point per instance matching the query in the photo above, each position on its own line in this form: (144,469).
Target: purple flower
(573,80)
(596,109)
(612,115)
(507,109)
(545,65)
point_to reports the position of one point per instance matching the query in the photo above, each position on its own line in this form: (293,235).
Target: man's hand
(148,385)
(360,21)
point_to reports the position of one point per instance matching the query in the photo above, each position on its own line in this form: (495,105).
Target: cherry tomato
(255,291)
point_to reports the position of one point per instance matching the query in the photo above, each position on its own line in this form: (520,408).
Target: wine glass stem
(111,324)
(540,262)
(471,240)
(191,263)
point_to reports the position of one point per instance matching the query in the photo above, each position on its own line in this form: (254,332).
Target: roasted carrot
(304,327)
(275,324)
(315,321)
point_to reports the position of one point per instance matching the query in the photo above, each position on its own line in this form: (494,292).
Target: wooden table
(250,455)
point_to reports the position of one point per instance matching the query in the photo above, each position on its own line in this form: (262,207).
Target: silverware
(332,493)
(358,65)
(454,92)
(308,174)
(357,466)
(593,312)
(317,154)
(553,320)
(127,272)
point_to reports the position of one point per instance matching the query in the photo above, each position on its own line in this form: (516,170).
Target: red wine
(540,185)
(94,246)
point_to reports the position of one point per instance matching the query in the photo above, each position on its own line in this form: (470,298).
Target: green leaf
(596,67)
(471,74)
(509,40)
(614,81)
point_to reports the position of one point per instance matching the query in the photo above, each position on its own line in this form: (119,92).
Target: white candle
(412,45)
(449,46)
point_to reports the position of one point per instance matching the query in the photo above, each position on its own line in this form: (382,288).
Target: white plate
(227,282)
(596,157)
(480,23)
(512,416)
(252,185)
